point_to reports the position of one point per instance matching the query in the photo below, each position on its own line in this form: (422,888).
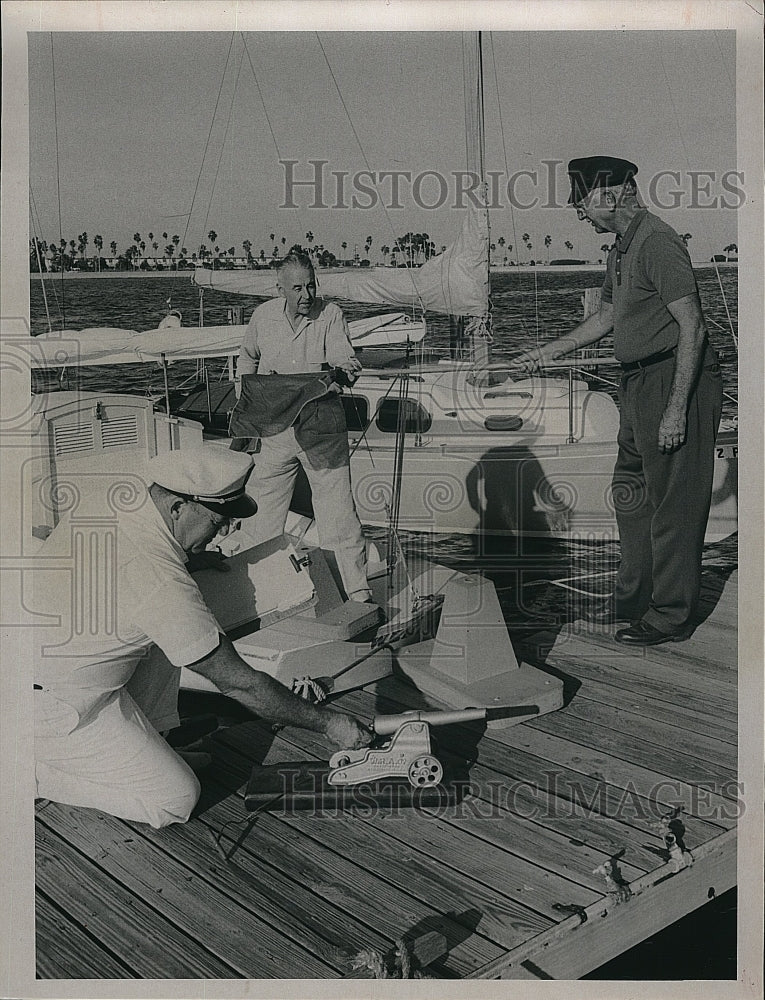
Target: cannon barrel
(386,725)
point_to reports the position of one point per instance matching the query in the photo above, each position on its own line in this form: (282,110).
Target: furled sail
(112,346)
(455,282)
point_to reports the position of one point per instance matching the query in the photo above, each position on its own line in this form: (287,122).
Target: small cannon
(407,754)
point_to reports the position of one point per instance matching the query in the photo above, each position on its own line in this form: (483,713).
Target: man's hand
(671,430)
(352,368)
(346,732)
(532,361)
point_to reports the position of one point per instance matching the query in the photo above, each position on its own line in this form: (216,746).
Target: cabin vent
(119,431)
(73,438)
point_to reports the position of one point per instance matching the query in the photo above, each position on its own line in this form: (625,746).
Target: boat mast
(475,143)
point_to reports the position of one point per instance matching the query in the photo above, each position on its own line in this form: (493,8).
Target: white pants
(272,483)
(117,762)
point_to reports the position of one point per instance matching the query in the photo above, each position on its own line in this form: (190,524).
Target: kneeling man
(101,702)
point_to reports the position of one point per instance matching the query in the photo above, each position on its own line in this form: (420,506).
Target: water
(527,308)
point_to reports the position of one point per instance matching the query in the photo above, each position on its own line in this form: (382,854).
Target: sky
(145,132)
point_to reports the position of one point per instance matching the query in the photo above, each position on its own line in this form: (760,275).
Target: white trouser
(272,483)
(117,762)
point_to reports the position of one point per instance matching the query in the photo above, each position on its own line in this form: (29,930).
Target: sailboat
(443,628)
(486,453)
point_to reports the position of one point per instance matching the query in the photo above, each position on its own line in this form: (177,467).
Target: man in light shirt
(298,334)
(102,702)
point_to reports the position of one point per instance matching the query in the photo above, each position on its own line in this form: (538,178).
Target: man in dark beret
(670,402)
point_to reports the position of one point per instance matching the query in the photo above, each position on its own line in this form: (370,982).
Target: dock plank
(68,952)
(632,793)
(697,745)
(615,692)
(490,825)
(300,915)
(202,915)
(622,745)
(126,925)
(408,886)
(408,837)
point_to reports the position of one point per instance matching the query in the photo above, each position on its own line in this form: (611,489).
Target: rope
(308,689)
(397,964)
(564,582)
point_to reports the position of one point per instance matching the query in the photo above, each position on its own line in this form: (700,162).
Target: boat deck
(508,883)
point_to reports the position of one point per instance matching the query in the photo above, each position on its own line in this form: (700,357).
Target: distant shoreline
(186,275)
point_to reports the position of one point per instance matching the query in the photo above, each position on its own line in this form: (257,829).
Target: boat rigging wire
(366,161)
(58,180)
(223,143)
(507,175)
(688,162)
(260,95)
(207,143)
(36,229)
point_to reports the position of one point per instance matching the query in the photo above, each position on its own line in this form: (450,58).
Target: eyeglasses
(222,525)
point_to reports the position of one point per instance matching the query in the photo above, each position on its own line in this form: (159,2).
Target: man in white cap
(101,702)
(670,403)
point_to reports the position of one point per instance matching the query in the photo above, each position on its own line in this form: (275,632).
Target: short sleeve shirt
(648,268)
(118,589)
(271,346)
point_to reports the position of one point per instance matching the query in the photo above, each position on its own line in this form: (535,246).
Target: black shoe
(642,634)
(191,730)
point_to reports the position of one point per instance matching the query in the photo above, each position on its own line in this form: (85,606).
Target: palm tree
(731,248)
(384,251)
(247,247)
(113,248)
(548,244)
(212,236)
(569,245)
(164,236)
(344,245)
(271,237)
(137,238)
(685,237)
(98,242)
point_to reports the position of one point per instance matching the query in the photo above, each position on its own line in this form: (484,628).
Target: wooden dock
(554,862)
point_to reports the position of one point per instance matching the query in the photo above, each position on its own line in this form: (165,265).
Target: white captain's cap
(210,475)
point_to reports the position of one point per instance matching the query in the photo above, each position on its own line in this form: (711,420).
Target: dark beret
(590,172)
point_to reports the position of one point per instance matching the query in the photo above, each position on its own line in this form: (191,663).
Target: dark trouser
(662,500)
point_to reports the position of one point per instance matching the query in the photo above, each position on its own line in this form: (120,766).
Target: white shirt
(121,586)
(270,344)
